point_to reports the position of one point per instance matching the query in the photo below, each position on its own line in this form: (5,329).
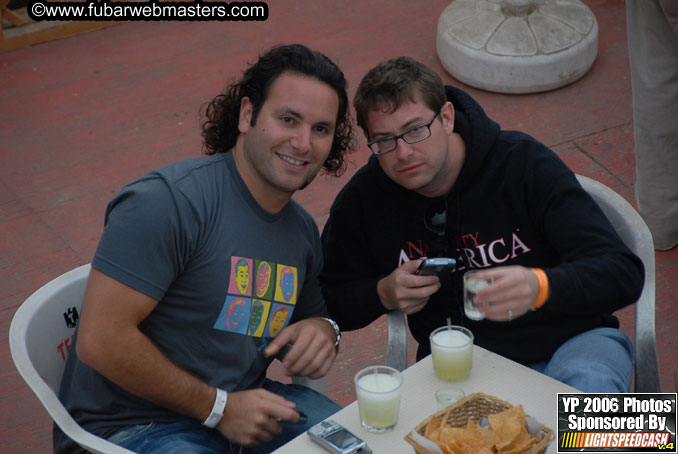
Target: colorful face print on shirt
(286,286)
(235,315)
(241,277)
(273,290)
(280,316)
(264,280)
(258,317)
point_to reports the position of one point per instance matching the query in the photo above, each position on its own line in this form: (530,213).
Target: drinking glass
(378,390)
(452,352)
(448,396)
(471,286)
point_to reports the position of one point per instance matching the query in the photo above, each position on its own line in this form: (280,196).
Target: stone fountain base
(517,46)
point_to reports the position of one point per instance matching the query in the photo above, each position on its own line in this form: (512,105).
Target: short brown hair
(393,82)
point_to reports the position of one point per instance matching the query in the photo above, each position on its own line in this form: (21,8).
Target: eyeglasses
(414,135)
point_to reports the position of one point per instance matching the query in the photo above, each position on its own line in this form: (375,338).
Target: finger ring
(510,315)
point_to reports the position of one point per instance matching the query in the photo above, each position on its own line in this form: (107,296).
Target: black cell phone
(436,266)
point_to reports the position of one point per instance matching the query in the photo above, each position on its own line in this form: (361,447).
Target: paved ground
(82,116)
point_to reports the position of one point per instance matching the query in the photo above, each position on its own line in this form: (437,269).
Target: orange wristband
(543,288)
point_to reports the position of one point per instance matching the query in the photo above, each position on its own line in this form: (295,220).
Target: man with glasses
(445,181)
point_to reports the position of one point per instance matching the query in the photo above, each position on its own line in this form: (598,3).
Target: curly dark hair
(220,128)
(394,82)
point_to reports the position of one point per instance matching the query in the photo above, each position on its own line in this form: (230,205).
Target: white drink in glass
(378,390)
(471,287)
(452,352)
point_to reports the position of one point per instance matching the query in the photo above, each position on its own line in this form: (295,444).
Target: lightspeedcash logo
(617,422)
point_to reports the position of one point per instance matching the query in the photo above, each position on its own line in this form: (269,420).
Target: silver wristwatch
(337,331)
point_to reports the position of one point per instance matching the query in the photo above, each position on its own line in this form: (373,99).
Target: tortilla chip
(431,426)
(507,425)
(520,444)
(449,448)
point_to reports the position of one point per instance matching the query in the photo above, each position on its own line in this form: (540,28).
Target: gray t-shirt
(227,274)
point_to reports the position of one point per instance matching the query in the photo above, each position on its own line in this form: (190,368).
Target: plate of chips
(480,424)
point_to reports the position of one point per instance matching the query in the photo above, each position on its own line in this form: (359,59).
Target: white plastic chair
(39,340)
(636,235)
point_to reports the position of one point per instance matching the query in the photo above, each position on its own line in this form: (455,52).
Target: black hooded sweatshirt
(514,203)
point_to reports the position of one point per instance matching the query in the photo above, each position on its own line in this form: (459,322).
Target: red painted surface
(82,116)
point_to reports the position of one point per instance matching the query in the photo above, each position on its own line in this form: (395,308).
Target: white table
(491,374)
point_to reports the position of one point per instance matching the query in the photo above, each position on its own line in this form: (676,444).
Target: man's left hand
(312,351)
(511,295)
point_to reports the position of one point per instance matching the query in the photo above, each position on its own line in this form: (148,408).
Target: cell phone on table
(436,266)
(337,439)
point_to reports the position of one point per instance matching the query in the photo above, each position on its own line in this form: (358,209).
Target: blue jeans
(596,361)
(191,437)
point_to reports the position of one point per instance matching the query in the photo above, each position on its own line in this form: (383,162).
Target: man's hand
(312,351)
(405,291)
(514,289)
(252,417)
